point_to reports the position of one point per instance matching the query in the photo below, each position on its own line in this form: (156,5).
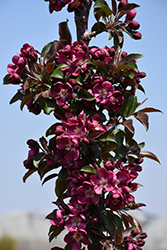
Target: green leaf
(118,222)
(129,106)
(141,145)
(61,185)
(99,26)
(79,80)
(55,233)
(109,223)
(5,79)
(98,4)
(107,10)
(51,8)
(107,137)
(16,97)
(85,95)
(109,146)
(49,106)
(62,173)
(89,169)
(57,73)
(61,66)
(119,136)
(37,159)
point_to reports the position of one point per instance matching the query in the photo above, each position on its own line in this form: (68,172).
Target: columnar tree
(90,150)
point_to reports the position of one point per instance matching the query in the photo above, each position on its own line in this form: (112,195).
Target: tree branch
(81,21)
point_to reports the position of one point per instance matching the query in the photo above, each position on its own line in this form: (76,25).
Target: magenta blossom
(61,92)
(70,145)
(104,179)
(75,207)
(115,101)
(75,222)
(87,194)
(103,92)
(74,57)
(58,218)
(76,237)
(95,124)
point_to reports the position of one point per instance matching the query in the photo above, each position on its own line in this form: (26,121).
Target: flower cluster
(57,5)
(88,184)
(134,241)
(19,62)
(131,24)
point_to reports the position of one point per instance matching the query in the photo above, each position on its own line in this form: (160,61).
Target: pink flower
(75,207)
(58,217)
(75,222)
(76,237)
(103,92)
(115,202)
(87,194)
(75,126)
(74,57)
(61,92)
(104,179)
(115,101)
(28,52)
(95,124)
(70,145)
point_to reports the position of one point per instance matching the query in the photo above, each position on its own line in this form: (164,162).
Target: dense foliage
(90,151)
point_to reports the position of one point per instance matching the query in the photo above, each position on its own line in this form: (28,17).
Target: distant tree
(92,152)
(8,243)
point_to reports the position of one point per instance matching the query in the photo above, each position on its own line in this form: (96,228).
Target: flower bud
(137,35)
(143,236)
(130,15)
(134,232)
(122,4)
(140,243)
(134,25)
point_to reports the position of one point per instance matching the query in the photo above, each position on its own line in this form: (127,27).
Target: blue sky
(29,21)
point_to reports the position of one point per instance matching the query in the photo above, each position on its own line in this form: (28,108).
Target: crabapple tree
(90,150)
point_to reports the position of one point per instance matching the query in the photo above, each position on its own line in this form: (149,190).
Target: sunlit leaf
(129,106)
(89,169)
(37,159)
(85,95)
(57,73)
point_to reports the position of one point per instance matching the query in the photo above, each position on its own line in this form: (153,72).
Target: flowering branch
(92,151)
